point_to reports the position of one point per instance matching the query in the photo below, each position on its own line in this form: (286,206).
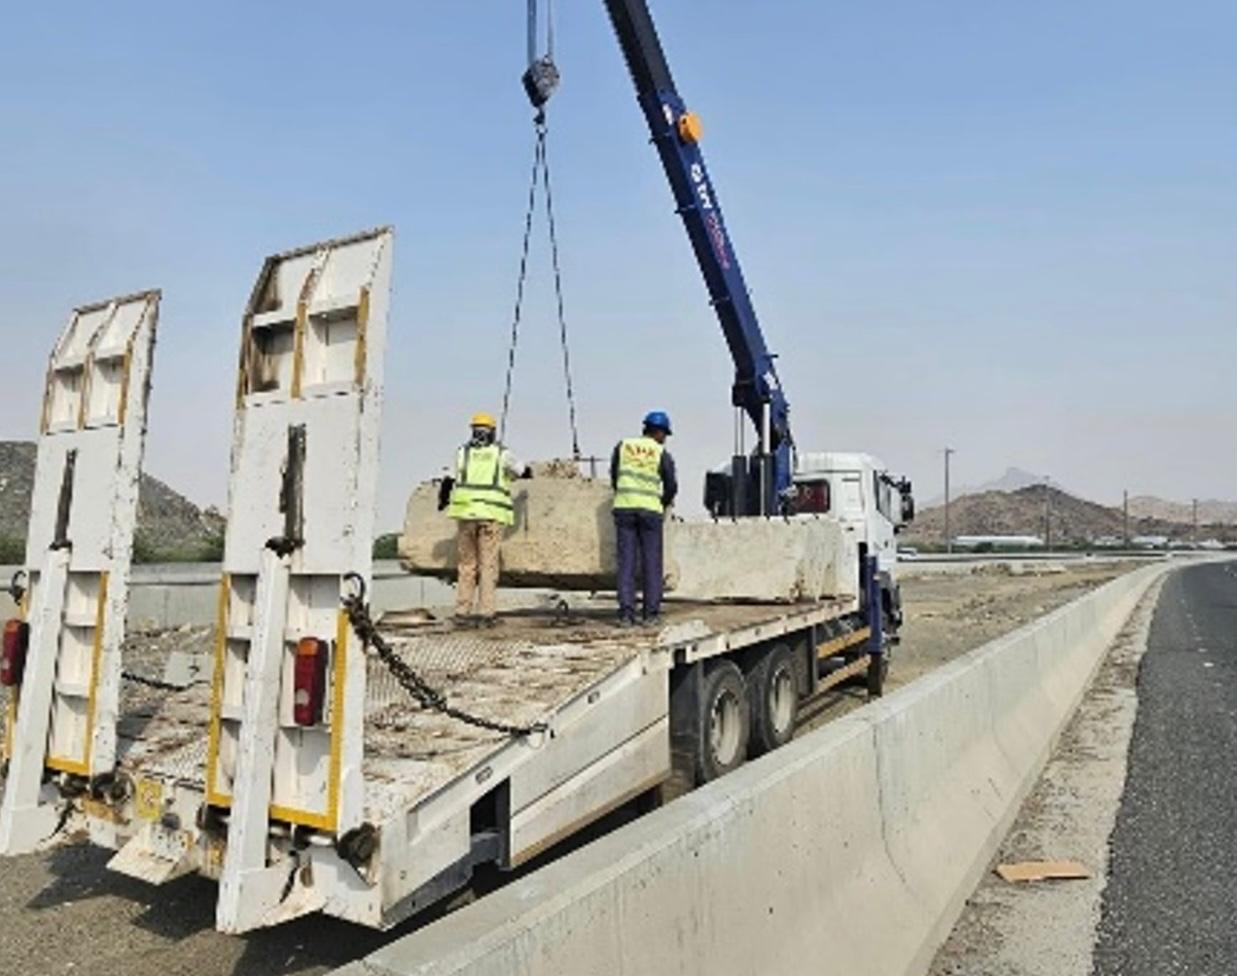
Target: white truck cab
(856,489)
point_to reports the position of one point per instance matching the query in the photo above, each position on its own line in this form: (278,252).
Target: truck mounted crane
(759,485)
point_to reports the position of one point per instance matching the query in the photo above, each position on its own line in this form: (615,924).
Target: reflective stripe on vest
(482,491)
(638,485)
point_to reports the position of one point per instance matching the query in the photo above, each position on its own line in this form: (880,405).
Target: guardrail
(850,850)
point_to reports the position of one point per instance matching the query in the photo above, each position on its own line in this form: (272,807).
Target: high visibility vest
(638,485)
(482,491)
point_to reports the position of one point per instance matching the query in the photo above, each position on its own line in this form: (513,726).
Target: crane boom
(675,131)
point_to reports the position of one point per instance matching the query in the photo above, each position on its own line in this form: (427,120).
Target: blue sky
(1011,228)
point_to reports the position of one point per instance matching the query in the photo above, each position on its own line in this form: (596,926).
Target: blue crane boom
(676,134)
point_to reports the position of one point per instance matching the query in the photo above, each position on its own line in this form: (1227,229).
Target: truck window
(884,501)
(811,498)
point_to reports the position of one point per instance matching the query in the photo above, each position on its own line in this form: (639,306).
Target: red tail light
(309,681)
(13,659)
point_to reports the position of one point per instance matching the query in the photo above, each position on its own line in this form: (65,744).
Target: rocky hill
(170,526)
(1210,510)
(1074,521)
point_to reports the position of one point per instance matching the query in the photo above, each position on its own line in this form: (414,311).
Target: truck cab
(871,504)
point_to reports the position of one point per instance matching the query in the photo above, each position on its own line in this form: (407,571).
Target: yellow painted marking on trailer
(330,819)
(81,767)
(829,648)
(213,796)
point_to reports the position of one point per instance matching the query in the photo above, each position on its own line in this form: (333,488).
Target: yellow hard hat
(483,420)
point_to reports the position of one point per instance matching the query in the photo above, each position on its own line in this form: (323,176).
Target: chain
(540,176)
(558,294)
(141,679)
(421,691)
(523,278)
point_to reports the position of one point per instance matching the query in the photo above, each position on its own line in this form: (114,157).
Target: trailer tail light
(13,659)
(309,681)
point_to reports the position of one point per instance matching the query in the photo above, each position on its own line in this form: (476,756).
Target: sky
(1010,228)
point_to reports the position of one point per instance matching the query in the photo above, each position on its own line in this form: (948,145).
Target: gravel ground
(65,913)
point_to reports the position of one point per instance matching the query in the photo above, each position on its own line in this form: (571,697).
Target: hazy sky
(1009,227)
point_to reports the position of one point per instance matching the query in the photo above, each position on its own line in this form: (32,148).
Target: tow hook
(357,846)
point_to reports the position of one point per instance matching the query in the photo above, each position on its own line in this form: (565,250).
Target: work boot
(488,623)
(653,621)
(626,620)
(465,621)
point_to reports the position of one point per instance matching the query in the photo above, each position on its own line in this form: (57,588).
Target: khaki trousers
(477,548)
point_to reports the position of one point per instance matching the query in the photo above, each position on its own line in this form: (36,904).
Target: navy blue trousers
(638,539)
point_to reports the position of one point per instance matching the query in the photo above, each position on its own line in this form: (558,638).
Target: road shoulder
(1049,928)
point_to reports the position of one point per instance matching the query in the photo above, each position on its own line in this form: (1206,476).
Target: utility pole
(1194,524)
(1047,516)
(949,541)
(1125,517)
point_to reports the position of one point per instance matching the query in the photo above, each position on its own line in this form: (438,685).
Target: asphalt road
(1170,906)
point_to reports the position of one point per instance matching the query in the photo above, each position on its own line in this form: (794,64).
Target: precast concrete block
(563,538)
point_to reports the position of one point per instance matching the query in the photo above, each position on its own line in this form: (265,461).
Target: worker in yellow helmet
(478,497)
(643,477)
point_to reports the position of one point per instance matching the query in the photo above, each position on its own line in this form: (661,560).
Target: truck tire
(725,722)
(773,687)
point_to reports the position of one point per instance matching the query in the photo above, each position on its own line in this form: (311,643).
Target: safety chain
(421,691)
(141,679)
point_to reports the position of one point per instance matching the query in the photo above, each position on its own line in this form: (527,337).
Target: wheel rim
(782,701)
(724,728)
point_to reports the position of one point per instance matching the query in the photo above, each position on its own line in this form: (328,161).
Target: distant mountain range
(169,526)
(1210,510)
(1012,480)
(1014,504)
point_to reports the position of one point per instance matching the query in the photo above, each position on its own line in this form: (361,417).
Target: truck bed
(523,671)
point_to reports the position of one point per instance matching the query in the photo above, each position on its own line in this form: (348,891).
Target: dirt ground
(63,912)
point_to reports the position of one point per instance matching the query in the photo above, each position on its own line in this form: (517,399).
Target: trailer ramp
(61,739)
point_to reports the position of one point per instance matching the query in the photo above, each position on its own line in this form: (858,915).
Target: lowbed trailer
(322,762)
(620,713)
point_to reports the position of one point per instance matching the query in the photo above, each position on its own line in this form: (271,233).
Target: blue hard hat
(659,419)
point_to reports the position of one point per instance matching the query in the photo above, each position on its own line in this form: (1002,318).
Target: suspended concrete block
(563,538)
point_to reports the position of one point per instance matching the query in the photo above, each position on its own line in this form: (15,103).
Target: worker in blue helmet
(642,475)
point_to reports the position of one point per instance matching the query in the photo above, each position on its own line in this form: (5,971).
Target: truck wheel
(725,722)
(773,688)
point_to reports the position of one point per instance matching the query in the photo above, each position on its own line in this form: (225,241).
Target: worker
(478,497)
(642,475)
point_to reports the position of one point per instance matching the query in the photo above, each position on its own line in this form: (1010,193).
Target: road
(1170,905)
(1140,791)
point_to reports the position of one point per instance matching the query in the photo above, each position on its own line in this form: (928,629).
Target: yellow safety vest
(638,485)
(482,491)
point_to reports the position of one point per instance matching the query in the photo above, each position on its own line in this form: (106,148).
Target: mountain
(1074,521)
(169,526)
(1012,480)
(1210,511)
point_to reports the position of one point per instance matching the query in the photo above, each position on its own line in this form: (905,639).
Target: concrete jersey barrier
(851,850)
